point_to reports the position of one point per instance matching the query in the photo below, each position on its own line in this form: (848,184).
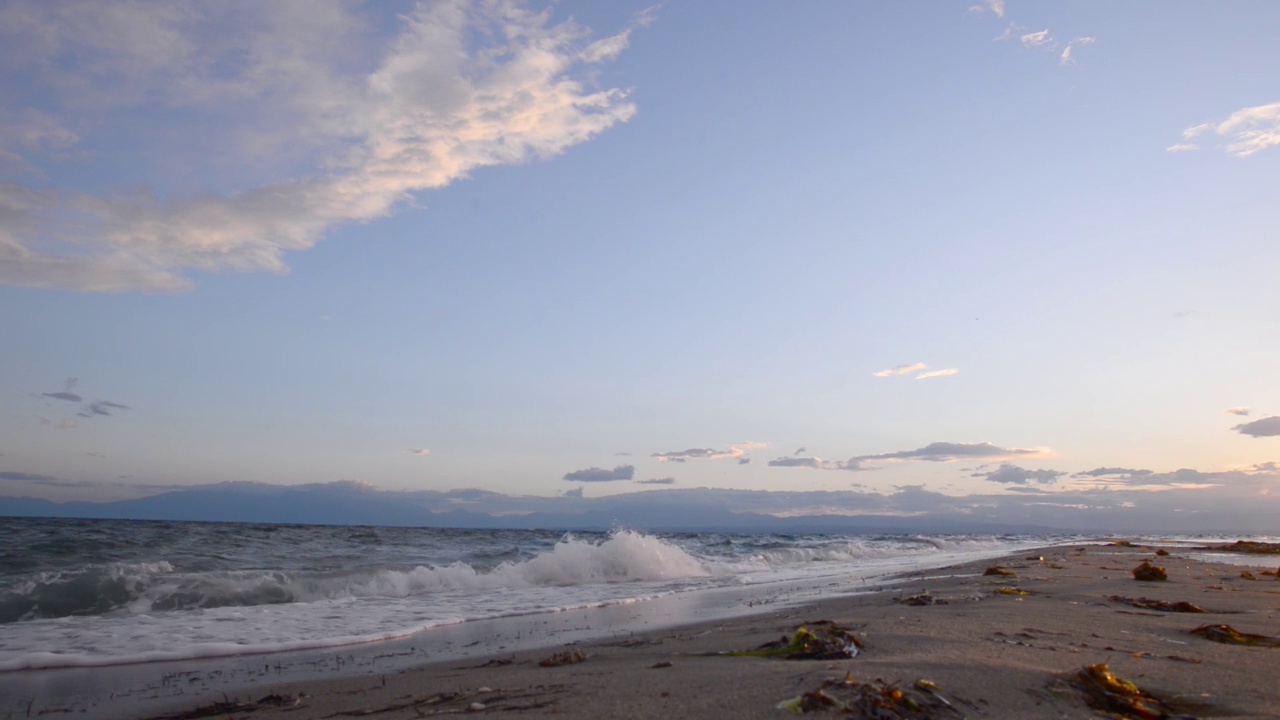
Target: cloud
(948,451)
(420,452)
(1068,56)
(103,407)
(1265,427)
(744,461)
(1036,39)
(901,370)
(1248,131)
(994,6)
(1013,475)
(66,425)
(735,451)
(800,451)
(1266,467)
(68,396)
(595,474)
(657,481)
(802,462)
(1242,411)
(355,124)
(815,463)
(1118,471)
(938,374)
(912,368)
(27,477)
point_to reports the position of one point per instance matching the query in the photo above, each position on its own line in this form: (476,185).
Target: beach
(984,645)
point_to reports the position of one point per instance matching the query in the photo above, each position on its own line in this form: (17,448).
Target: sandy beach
(984,645)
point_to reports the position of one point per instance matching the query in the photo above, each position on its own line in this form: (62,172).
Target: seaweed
(876,699)
(227,707)
(1181,606)
(1147,572)
(1246,575)
(1105,692)
(1231,636)
(1248,546)
(821,640)
(564,657)
(923,598)
(1162,552)
(1016,592)
(999,571)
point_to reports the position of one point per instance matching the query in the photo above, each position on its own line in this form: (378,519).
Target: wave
(625,556)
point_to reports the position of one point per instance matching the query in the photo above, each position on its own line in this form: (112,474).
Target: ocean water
(83,593)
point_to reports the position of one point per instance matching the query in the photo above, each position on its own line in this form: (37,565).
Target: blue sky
(301,241)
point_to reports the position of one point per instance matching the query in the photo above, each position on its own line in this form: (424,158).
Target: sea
(117,619)
(92,593)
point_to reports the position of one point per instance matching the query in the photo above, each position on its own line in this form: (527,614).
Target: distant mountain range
(1235,504)
(347,503)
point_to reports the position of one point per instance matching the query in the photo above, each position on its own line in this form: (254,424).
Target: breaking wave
(625,556)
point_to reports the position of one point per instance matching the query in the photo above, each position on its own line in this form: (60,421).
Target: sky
(539,248)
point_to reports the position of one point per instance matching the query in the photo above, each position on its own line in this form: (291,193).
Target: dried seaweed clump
(1250,546)
(1231,636)
(924,598)
(876,699)
(1149,573)
(818,640)
(821,640)
(564,657)
(1181,606)
(1016,592)
(999,571)
(1105,692)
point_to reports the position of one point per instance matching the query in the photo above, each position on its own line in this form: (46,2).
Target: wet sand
(987,653)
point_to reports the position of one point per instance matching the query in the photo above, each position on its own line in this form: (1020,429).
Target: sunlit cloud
(459,86)
(938,374)
(900,370)
(1242,411)
(1247,131)
(420,452)
(738,450)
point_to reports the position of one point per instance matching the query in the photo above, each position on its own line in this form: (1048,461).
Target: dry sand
(990,655)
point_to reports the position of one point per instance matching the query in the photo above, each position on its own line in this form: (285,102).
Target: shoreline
(999,655)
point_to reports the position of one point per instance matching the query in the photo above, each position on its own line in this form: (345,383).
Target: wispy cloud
(1264,427)
(738,450)
(1247,131)
(816,463)
(994,6)
(1114,472)
(938,374)
(420,452)
(933,452)
(949,451)
(460,86)
(595,474)
(1036,39)
(1241,411)
(657,481)
(901,370)
(1068,52)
